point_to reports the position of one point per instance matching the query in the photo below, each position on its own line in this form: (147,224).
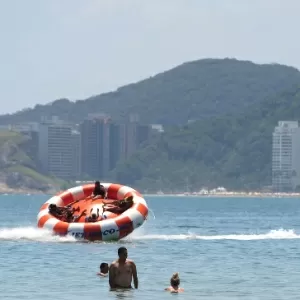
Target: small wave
(42,235)
(32,234)
(273,234)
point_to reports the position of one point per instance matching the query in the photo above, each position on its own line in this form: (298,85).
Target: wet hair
(97,182)
(103,265)
(175,280)
(52,206)
(122,250)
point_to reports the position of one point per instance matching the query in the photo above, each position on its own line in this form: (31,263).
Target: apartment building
(286,156)
(95,141)
(76,153)
(55,149)
(104,143)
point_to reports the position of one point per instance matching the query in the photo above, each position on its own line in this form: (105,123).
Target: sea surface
(223,248)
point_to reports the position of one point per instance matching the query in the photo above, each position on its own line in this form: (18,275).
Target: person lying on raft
(93,217)
(65,214)
(70,218)
(56,211)
(59,211)
(99,192)
(174,284)
(118,206)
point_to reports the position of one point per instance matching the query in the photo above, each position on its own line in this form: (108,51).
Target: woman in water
(175,282)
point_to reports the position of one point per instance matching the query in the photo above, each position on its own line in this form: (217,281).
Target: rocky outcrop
(16,167)
(7,150)
(20,181)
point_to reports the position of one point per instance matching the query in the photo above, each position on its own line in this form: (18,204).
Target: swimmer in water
(122,271)
(174,284)
(103,270)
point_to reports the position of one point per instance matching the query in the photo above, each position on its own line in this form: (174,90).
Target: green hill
(232,151)
(194,90)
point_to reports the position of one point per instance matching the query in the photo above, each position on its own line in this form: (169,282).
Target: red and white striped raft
(115,227)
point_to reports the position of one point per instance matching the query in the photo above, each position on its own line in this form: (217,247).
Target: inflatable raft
(113,226)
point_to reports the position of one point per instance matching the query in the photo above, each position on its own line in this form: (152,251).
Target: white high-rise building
(286,156)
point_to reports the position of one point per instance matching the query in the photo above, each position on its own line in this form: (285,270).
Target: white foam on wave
(32,234)
(279,234)
(42,235)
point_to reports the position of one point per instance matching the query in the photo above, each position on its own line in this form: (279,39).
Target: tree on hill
(194,90)
(234,151)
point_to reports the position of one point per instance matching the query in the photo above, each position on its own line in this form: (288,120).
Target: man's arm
(109,201)
(134,275)
(112,274)
(76,218)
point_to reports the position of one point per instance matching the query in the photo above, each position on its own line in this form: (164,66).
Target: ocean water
(223,248)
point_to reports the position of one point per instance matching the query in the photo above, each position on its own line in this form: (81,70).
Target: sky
(79,48)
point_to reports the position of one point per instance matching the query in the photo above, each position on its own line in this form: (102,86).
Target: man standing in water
(122,270)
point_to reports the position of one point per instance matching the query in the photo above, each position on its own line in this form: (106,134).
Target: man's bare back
(121,273)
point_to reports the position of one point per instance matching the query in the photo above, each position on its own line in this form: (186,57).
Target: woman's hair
(175,280)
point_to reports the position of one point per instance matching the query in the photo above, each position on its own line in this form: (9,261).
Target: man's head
(104,268)
(97,183)
(122,252)
(52,207)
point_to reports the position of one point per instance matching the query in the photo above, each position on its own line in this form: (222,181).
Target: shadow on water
(122,293)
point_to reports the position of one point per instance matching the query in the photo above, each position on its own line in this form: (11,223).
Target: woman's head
(175,280)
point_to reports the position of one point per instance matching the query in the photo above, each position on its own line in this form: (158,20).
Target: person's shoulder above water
(172,290)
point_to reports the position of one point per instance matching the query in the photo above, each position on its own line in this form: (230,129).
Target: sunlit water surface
(223,248)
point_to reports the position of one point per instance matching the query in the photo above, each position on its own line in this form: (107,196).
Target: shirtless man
(122,270)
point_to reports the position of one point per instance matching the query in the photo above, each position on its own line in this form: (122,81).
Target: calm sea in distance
(223,248)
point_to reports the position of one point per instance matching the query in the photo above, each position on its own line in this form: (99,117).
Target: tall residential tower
(286,157)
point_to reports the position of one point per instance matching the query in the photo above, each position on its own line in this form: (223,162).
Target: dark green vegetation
(232,151)
(237,104)
(194,90)
(17,168)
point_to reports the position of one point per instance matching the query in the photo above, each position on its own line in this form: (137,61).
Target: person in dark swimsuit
(118,206)
(99,191)
(70,217)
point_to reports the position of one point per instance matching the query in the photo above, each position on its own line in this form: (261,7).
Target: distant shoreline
(224,195)
(9,191)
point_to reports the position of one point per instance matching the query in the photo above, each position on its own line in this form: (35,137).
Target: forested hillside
(232,151)
(195,90)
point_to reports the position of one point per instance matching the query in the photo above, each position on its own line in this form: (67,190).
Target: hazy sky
(52,49)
